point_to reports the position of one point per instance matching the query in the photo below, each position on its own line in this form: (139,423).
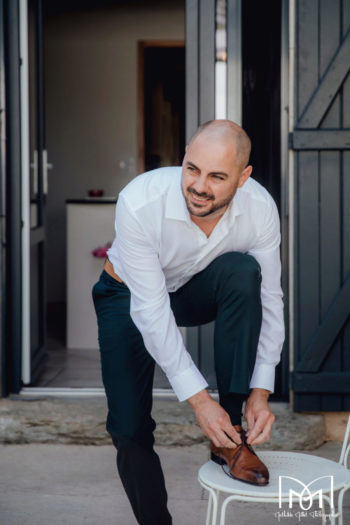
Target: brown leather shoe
(242,461)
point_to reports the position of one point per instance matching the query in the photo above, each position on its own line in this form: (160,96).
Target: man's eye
(218,177)
(191,168)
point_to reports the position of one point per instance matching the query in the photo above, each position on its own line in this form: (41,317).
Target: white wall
(91,107)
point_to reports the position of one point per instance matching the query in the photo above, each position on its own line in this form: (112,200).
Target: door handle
(46,166)
(34,166)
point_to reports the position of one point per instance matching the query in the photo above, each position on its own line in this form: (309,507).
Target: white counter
(90,223)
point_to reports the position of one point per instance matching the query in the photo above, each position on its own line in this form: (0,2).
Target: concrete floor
(75,485)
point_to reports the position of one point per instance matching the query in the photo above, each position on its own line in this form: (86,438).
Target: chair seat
(302,467)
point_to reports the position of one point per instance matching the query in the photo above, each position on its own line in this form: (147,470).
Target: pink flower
(101,251)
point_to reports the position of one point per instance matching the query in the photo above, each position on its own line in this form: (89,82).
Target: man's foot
(242,461)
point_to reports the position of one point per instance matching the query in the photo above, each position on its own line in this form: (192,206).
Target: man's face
(210,176)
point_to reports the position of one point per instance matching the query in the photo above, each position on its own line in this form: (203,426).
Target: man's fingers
(232,433)
(261,431)
(225,435)
(250,420)
(258,426)
(254,432)
(225,440)
(220,439)
(225,432)
(262,437)
(214,439)
(215,423)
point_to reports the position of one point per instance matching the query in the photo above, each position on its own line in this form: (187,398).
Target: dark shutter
(321,142)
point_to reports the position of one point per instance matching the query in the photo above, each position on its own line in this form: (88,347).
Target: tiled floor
(73,368)
(78,368)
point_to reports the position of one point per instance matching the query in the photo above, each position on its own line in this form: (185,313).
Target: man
(192,244)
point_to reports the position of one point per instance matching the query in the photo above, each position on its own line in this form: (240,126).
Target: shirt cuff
(263,377)
(188,383)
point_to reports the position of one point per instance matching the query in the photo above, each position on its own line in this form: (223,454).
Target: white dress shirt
(158,248)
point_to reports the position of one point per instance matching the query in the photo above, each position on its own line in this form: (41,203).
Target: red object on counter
(95,193)
(101,251)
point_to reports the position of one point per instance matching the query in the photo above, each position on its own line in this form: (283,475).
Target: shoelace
(240,446)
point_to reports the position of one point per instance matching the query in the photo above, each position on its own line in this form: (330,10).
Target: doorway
(161,119)
(92,127)
(261,90)
(101,147)
(263,99)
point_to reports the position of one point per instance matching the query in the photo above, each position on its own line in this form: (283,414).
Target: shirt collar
(236,205)
(234,209)
(175,205)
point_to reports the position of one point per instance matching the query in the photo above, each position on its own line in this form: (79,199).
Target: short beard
(215,207)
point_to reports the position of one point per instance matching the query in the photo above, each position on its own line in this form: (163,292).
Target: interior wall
(91,107)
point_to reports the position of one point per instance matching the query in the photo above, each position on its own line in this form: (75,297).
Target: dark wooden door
(321,144)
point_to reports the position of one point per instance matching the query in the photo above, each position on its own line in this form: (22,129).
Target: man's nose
(200,184)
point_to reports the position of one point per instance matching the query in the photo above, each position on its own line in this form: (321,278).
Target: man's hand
(214,420)
(259,417)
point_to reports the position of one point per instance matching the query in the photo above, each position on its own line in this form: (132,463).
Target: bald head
(228,132)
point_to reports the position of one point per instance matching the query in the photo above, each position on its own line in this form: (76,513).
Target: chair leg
(332,514)
(215,516)
(209,510)
(212,511)
(340,503)
(223,508)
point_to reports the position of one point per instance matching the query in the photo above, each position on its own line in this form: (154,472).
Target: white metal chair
(294,477)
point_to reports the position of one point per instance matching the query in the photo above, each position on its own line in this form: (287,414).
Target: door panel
(320,140)
(37,196)
(12,154)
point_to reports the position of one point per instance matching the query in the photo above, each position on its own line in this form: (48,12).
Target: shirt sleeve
(140,269)
(267,253)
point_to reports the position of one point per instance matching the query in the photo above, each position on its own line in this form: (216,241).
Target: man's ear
(244,176)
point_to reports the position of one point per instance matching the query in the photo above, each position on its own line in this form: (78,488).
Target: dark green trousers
(227,291)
